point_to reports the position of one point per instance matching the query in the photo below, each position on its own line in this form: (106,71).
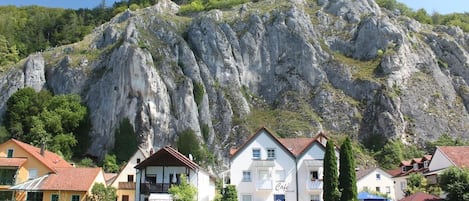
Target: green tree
(184,191)
(110,163)
(347,177)
(390,156)
(188,143)
(126,141)
(416,182)
(331,188)
(445,140)
(100,192)
(455,182)
(230,193)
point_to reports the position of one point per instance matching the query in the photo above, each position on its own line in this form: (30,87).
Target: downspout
(296,173)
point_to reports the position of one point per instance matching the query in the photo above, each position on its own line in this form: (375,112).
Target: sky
(440,6)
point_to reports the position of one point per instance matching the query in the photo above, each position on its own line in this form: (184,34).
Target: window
(315,197)
(403,169)
(32,173)
(125,198)
(151,178)
(34,196)
(314,175)
(416,166)
(175,179)
(10,153)
(403,185)
(246,198)
(378,176)
(138,160)
(279,175)
(270,153)
(130,178)
(378,189)
(425,164)
(246,176)
(75,197)
(256,154)
(264,175)
(54,197)
(388,189)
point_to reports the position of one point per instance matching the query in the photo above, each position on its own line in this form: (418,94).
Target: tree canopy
(331,188)
(183,191)
(100,192)
(347,177)
(455,182)
(38,118)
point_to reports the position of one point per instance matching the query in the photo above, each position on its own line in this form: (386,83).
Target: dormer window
(403,169)
(10,153)
(425,164)
(416,166)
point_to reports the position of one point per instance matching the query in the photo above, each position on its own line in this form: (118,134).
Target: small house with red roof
(164,168)
(445,157)
(269,168)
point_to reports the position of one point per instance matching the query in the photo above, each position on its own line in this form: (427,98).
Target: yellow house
(20,162)
(68,184)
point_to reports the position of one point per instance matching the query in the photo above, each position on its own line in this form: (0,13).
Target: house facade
(376,180)
(20,162)
(407,167)
(269,168)
(157,173)
(125,180)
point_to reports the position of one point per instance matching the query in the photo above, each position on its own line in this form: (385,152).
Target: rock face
(359,69)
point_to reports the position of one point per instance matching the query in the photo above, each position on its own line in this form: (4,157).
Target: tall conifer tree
(331,188)
(347,177)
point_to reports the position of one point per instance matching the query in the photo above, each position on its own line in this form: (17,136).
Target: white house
(266,168)
(125,180)
(400,175)
(164,168)
(445,157)
(376,180)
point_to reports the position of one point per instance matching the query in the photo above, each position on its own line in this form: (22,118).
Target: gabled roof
(145,155)
(419,196)
(456,154)
(294,146)
(49,159)
(363,173)
(168,156)
(12,162)
(65,179)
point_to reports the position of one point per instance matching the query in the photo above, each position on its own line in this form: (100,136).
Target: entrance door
(279,197)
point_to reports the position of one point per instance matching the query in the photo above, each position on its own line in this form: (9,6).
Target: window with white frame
(279,175)
(256,153)
(264,175)
(416,166)
(246,176)
(388,189)
(32,173)
(270,153)
(378,176)
(246,198)
(425,164)
(315,197)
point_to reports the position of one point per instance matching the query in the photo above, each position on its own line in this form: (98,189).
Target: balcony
(314,185)
(264,185)
(147,188)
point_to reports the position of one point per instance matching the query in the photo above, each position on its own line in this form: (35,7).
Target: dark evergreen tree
(347,177)
(331,188)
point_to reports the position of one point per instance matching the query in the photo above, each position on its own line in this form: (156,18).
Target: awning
(160,197)
(12,162)
(30,185)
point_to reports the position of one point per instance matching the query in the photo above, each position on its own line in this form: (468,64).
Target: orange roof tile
(49,159)
(394,172)
(71,179)
(296,145)
(419,196)
(12,162)
(405,163)
(457,154)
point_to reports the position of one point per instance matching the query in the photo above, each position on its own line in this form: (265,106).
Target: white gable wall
(439,161)
(264,189)
(128,169)
(372,182)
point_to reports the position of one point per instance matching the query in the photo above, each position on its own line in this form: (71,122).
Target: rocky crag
(341,66)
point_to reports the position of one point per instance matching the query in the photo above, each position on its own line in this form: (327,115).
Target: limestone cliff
(343,66)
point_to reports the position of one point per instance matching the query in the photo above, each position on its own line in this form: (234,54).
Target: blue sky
(441,6)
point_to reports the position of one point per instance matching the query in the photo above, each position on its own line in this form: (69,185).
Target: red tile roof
(12,162)
(296,146)
(71,179)
(394,172)
(49,159)
(167,156)
(419,196)
(456,154)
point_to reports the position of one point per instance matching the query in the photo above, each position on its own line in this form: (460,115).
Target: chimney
(43,148)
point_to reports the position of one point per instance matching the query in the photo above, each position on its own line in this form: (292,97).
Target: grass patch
(362,70)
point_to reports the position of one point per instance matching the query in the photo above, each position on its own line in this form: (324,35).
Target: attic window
(138,160)
(256,154)
(10,153)
(416,166)
(425,164)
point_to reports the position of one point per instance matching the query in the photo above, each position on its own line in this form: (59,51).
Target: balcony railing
(147,188)
(314,185)
(7,181)
(264,185)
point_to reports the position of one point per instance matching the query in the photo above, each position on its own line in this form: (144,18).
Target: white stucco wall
(439,161)
(385,183)
(283,162)
(311,160)
(400,185)
(128,169)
